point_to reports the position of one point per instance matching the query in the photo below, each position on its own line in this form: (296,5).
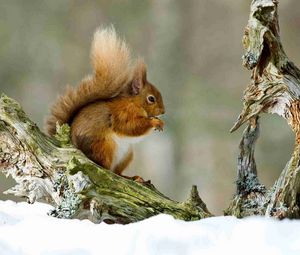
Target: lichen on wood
(52,170)
(274,88)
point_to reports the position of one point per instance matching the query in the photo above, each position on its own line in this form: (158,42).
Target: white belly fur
(123,146)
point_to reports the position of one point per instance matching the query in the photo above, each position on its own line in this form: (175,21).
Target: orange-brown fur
(124,163)
(114,102)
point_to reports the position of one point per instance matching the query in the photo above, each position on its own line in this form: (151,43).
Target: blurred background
(193,51)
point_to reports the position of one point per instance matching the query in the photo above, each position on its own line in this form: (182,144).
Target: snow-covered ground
(26,229)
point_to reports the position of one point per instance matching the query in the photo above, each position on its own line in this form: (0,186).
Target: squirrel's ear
(139,77)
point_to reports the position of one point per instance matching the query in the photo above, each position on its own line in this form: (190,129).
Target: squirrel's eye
(151,99)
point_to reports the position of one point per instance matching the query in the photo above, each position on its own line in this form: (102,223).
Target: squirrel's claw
(138,179)
(157,124)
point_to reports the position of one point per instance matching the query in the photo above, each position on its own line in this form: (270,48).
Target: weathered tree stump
(274,88)
(51,169)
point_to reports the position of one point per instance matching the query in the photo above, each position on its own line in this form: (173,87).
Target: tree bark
(52,170)
(274,88)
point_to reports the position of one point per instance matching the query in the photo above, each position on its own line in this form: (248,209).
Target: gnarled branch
(53,170)
(274,88)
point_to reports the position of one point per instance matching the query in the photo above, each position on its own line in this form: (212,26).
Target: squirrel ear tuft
(139,77)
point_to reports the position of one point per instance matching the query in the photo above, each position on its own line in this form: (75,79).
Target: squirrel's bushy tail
(111,62)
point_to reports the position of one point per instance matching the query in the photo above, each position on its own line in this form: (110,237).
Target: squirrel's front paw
(157,124)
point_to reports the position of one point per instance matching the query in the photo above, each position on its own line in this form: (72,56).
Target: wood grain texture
(54,171)
(274,88)
(51,169)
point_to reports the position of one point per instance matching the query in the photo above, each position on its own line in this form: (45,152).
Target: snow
(26,229)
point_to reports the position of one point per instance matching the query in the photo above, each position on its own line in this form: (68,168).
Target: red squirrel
(111,109)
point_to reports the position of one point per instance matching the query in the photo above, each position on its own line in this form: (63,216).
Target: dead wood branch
(274,88)
(54,171)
